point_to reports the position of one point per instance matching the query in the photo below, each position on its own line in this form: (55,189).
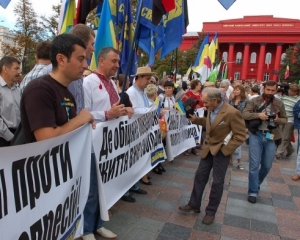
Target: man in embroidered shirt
(102,100)
(9,99)
(136,93)
(42,59)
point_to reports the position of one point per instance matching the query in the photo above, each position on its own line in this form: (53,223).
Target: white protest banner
(125,149)
(182,134)
(44,187)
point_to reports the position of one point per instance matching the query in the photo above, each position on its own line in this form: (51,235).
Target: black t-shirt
(126,100)
(45,103)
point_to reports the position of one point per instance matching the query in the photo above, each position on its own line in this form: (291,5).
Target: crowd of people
(60,94)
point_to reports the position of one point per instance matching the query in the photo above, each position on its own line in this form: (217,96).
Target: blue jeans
(297,171)
(261,156)
(237,153)
(91,213)
(136,186)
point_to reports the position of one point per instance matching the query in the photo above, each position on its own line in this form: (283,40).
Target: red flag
(161,7)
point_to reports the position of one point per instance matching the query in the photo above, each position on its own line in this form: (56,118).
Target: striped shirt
(36,72)
(289,102)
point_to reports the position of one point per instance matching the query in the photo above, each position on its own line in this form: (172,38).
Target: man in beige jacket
(225,131)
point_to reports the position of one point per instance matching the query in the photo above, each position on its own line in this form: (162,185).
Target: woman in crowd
(194,93)
(239,101)
(151,92)
(167,99)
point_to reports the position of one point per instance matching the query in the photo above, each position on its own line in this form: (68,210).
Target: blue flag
(174,28)
(150,36)
(4,3)
(226,3)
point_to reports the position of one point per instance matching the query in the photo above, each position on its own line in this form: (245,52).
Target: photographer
(262,147)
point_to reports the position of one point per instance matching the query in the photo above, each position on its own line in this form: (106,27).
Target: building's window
(268,59)
(283,57)
(237,75)
(253,57)
(266,76)
(239,57)
(224,56)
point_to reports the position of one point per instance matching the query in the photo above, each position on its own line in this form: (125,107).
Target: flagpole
(132,49)
(176,58)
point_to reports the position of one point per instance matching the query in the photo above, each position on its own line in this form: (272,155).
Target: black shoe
(128,199)
(252,199)
(146,183)
(161,168)
(139,191)
(148,178)
(157,171)
(188,208)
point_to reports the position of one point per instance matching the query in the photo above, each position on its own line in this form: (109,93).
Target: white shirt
(167,102)
(139,100)
(96,100)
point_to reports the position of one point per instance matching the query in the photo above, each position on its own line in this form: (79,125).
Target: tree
(51,23)
(293,59)
(27,32)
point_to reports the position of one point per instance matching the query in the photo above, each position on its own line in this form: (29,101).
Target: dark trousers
(219,164)
(3,142)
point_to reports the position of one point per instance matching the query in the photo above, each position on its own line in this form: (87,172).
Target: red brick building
(251,47)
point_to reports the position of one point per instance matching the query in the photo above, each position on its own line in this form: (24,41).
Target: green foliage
(293,59)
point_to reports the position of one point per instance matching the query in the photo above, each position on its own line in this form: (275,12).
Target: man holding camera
(262,141)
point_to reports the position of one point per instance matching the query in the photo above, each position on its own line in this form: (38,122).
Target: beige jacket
(227,120)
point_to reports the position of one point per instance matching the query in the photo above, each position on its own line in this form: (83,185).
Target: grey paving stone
(227,238)
(140,234)
(284,204)
(188,170)
(264,200)
(239,184)
(175,231)
(236,221)
(150,224)
(287,238)
(164,237)
(236,195)
(239,179)
(226,187)
(262,207)
(121,222)
(238,211)
(238,203)
(277,180)
(287,171)
(186,175)
(282,197)
(184,200)
(171,172)
(164,205)
(295,190)
(177,184)
(264,227)
(159,181)
(264,188)
(262,216)
(213,228)
(143,199)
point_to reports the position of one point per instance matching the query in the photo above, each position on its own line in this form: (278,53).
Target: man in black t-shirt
(48,109)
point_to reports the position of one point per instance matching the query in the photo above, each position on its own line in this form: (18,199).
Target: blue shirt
(215,112)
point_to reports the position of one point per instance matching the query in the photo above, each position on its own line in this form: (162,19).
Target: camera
(271,123)
(189,106)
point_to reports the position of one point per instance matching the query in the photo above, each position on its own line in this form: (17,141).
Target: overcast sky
(199,10)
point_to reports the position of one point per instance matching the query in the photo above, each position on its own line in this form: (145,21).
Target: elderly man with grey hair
(224,86)
(225,131)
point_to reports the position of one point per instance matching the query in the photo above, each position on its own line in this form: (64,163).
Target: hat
(143,71)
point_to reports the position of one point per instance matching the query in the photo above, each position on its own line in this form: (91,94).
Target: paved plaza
(156,215)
